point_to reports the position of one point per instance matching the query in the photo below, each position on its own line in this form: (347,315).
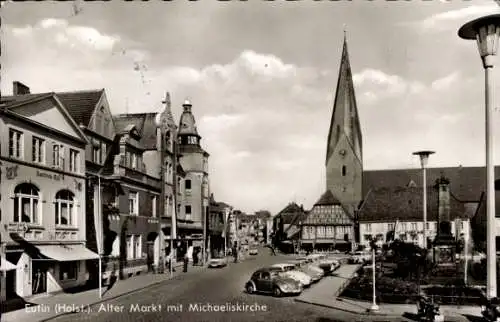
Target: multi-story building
(43,194)
(396,213)
(216,227)
(131,225)
(194,201)
(286,226)
(91,111)
(328,225)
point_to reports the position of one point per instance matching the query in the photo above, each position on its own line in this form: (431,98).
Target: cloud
(264,119)
(453,18)
(376,84)
(445,82)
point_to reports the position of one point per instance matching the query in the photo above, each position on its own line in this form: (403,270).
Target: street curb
(111,298)
(347,310)
(367,313)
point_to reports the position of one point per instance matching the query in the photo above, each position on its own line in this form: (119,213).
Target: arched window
(26,202)
(344,170)
(64,208)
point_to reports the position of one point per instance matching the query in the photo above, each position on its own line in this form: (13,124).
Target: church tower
(344,156)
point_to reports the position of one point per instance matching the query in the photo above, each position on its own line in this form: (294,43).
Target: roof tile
(405,204)
(81,104)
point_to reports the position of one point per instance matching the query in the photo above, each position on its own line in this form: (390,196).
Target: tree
(412,260)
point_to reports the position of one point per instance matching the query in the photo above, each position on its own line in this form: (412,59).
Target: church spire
(165,117)
(345,117)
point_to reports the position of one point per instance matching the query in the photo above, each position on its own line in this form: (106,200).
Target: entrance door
(39,278)
(10,284)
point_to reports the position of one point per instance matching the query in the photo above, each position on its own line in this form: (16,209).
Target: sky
(261,77)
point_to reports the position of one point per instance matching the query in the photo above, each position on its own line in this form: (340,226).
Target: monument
(445,244)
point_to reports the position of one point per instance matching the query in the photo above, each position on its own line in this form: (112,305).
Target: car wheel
(277,292)
(250,289)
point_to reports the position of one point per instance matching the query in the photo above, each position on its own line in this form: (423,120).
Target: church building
(379,202)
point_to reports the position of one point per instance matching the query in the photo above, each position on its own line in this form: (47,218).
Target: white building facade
(43,196)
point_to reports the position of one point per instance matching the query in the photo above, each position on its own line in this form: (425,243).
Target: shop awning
(7,266)
(67,253)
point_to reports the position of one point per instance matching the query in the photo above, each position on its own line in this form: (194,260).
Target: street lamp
(424,157)
(373,245)
(486,31)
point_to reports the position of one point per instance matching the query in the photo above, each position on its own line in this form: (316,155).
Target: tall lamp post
(373,245)
(486,31)
(424,158)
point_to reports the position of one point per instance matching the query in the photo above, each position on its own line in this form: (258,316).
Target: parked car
(316,273)
(268,280)
(360,257)
(289,270)
(253,251)
(316,257)
(329,265)
(217,262)
(305,259)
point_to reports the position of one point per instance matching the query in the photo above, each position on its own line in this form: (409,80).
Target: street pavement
(195,297)
(171,301)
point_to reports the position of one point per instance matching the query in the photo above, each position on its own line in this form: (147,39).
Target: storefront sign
(56,177)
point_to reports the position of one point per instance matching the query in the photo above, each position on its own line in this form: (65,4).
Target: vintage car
(360,257)
(323,262)
(253,251)
(311,270)
(269,280)
(289,270)
(217,262)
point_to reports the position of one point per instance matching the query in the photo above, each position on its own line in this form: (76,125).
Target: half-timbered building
(328,225)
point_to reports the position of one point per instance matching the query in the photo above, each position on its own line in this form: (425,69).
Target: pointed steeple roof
(345,116)
(187,123)
(166,117)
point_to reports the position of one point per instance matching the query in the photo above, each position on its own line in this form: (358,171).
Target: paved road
(215,287)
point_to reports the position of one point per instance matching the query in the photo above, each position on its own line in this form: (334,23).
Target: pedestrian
(186,262)
(274,251)
(170,261)
(235,253)
(195,256)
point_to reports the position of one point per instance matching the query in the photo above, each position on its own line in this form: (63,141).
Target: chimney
(19,88)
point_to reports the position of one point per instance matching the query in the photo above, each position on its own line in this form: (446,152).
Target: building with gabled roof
(286,224)
(329,224)
(42,175)
(398,211)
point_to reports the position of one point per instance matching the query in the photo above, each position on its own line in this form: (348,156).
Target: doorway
(39,277)
(10,284)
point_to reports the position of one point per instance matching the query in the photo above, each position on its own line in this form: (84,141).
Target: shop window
(68,271)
